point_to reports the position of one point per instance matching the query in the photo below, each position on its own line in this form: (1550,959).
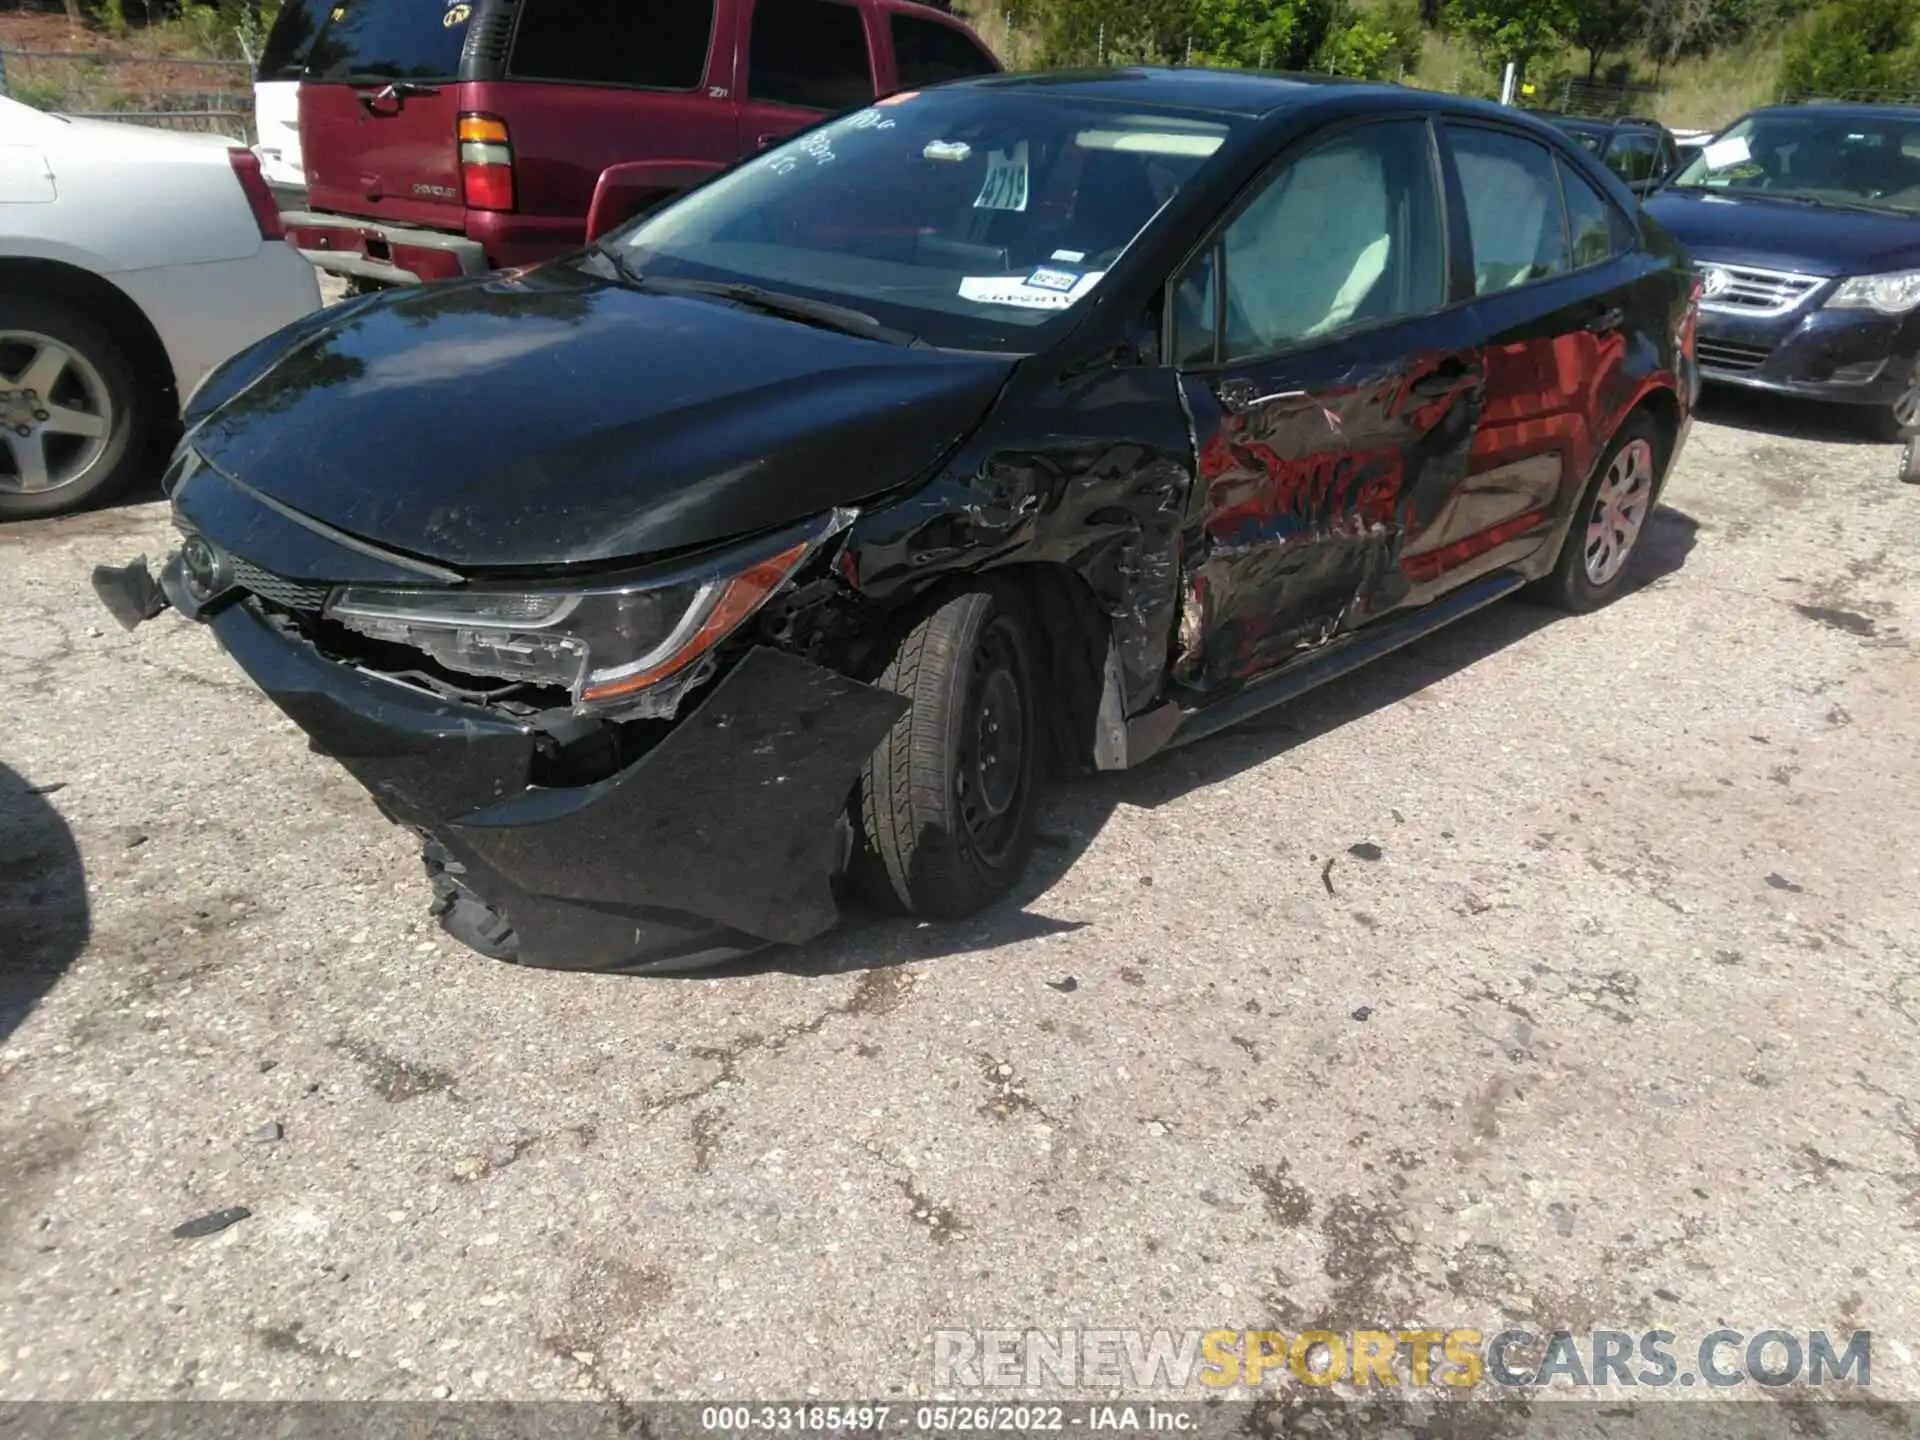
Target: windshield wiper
(823,313)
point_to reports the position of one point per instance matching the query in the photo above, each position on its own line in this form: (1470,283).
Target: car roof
(1852,110)
(1250,94)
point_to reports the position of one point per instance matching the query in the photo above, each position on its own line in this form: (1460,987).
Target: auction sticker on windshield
(1005,187)
(1048,288)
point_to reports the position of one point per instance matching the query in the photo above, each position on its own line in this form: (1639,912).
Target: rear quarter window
(925,52)
(809,53)
(656,45)
(376,40)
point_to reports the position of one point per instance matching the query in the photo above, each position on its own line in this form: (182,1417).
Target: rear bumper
(722,838)
(389,254)
(396,254)
(1851,357)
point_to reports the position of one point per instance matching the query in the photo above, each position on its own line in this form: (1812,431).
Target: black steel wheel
(947,803)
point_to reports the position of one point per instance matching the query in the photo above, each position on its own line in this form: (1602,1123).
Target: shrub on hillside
(1856,47)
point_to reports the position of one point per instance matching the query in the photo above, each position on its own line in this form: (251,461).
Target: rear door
(594,83)
(1335,391)
(925,51)
(1554,310)
(801,61)
(377,111)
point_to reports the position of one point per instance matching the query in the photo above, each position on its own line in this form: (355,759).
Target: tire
(78,434)
(1590,572)
(1901,419)
(947,803)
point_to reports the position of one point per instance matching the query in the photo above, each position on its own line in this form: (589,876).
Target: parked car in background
(1022,423)
(443,140)
(132,261)
(1805,223)
(1689,143)
(1640,152)
(276,97)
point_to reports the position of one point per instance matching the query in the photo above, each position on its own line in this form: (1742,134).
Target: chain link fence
(211,96)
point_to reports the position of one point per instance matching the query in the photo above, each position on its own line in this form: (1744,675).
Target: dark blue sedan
(1804,221)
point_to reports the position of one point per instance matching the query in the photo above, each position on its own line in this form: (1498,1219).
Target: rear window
(926,52)
(284,55)
(657,45)
(375,40)
(811,53)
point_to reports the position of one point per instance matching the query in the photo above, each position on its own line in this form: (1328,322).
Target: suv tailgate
(378,108)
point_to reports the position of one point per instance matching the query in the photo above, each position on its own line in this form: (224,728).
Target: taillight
(266,214)
(486,162)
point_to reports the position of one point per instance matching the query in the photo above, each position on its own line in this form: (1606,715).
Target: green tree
(1381,43)
(1857,46)
(1091,32)
(1503,30)
(1601,27)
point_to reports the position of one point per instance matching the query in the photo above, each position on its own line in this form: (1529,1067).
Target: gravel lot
(1619,1029)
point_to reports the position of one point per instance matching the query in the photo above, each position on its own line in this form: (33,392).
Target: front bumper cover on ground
(721,839)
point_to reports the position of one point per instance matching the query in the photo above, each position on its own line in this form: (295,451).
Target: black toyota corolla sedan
(799,529)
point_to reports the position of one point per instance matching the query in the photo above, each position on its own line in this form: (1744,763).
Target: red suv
(449,137)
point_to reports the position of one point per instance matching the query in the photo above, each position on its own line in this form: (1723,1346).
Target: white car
(132,261)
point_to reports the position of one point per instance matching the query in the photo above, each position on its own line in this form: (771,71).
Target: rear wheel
(1613,515)
(948,800)
(73,417)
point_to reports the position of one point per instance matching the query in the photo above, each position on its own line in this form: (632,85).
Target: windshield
(1871,162)
(374,40)
(967,217)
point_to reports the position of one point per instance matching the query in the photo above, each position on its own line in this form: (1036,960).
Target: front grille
(1741,290)
(1725,355)
(292,594)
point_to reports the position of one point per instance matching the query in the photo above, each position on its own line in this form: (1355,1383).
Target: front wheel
(1901,419)
(948,800)
(73,416)
(1612,517)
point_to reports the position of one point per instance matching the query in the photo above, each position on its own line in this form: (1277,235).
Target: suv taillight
(486,162)
(266,214)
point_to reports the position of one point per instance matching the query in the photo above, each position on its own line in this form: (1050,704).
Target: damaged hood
(557,419)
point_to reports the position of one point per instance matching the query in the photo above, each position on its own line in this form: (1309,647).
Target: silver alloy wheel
(1619,511)
(55,414)
(1906,409)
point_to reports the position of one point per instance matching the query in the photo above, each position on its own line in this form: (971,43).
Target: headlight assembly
(608,646)
(1890,294)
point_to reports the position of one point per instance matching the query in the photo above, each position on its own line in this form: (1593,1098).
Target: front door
(1335,395)
(802,61)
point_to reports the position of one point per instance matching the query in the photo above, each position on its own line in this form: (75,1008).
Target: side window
(1590,227)
(1349,235)
(1513,208)
(926,52)
(1631,154)
(811,53)
(661,45)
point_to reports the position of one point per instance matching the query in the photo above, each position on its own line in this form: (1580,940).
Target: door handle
(1237,397)
(1607,321)
(764,141)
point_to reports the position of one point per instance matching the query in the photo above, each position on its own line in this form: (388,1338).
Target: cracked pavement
(1555,971)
